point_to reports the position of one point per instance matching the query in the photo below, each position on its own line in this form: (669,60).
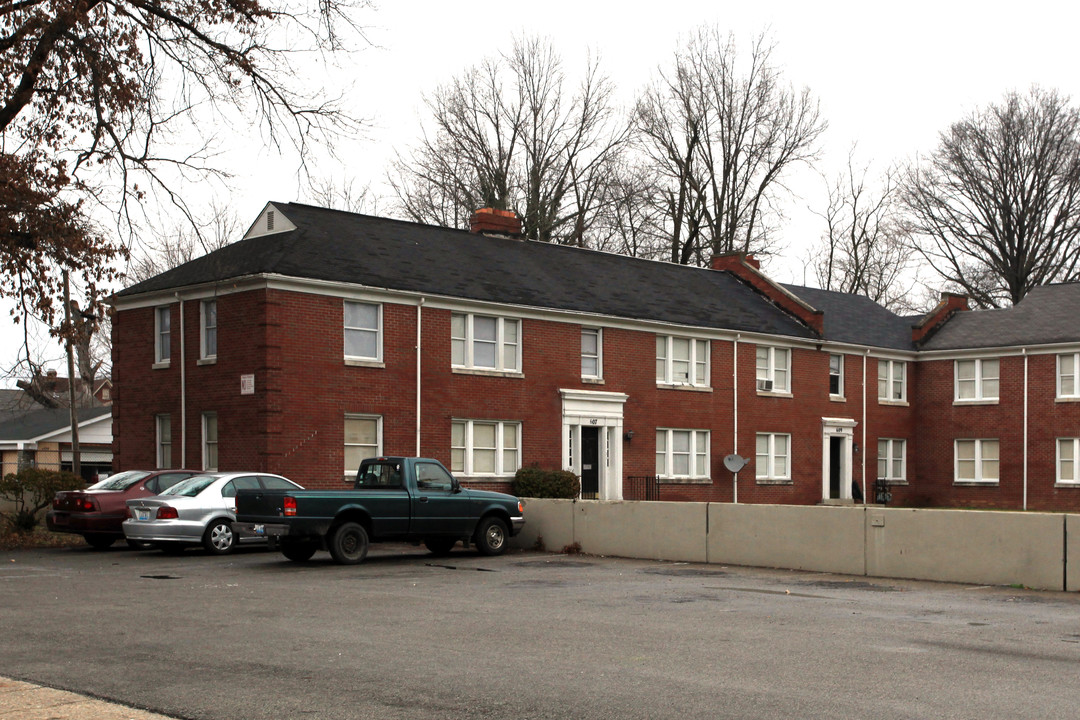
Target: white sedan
(197,511)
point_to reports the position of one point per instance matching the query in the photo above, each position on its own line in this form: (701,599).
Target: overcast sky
(889,77)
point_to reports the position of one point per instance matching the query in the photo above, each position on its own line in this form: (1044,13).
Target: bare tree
(185,242)
(996,207)
(722,133)
(863,250)
(345,195)
(508,134)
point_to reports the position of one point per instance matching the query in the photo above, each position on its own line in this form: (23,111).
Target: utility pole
(74,412)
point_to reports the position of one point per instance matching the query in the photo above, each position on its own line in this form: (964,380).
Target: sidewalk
(24,701)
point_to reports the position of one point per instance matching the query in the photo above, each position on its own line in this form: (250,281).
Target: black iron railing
(641,487)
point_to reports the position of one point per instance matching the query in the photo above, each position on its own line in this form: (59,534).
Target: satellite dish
(735,463)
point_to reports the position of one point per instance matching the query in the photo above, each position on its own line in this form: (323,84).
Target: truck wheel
(491,536)
(298,551)
(349,544)
(218,538)
(440,545)
(99,541)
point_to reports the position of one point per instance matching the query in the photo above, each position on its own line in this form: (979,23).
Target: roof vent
(269,220)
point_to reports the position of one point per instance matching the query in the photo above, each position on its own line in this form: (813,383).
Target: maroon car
(97,513)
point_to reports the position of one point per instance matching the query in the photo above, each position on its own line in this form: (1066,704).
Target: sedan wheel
(218,538)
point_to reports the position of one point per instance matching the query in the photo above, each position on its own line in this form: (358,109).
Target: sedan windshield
(190,487)
(122,481)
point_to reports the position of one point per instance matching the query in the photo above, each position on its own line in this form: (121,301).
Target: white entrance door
(592,441)
(838,436)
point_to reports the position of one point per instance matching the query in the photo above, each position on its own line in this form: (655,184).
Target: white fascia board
(64,434)
(1002,351)
(201,291)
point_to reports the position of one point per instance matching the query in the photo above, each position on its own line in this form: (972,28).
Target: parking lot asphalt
(526,635)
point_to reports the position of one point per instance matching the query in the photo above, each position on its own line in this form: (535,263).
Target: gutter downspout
(419,321)
(862,455)
(183,390)
(735,394)
(1025,428)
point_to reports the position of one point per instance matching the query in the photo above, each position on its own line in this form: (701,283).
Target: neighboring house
(324,337)
(42,438)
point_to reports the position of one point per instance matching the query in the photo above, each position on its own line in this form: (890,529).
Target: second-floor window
(682,361)
(363,325)
(977,461)
(208,329)
(591,353)
(891,459)
(977,379)
(836,375)
(485,343)
(773,369)
(1068,368)
(892,380)
(162,334)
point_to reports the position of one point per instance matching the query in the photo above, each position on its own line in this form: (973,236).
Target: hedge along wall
(981,547)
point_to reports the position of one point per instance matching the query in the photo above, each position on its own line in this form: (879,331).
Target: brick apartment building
(324,337)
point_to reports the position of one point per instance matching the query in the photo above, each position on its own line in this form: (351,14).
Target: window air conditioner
(765,385)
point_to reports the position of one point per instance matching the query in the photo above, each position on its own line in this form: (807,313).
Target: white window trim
(1075,481)
(160,361)
(206,444)
(978,479)
(203,330)
(980,396)
(890,458)
(840,394)
(1075,358)
(770,470)
(695,345)
(890,379)
(770,369)
(378,332)
(350,473)
(500,449)
(160,444)
(500,344)
(695,437)
(599,353)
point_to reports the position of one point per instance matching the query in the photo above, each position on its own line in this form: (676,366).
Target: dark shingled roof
(857,319)
(42,422)
(381,253)
(1048,314)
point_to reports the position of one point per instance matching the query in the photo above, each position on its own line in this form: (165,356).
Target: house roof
(857,319)
(376,252)
(40,423)
(14,402)
(1047,315)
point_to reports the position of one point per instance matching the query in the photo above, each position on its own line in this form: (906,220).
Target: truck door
(437,509)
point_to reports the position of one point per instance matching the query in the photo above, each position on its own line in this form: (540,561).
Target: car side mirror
(455,486)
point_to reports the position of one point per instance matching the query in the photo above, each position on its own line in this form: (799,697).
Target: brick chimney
(489,221)
(949,305)
(747,268)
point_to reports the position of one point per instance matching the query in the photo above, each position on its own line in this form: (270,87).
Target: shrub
(537,483)
(31,490)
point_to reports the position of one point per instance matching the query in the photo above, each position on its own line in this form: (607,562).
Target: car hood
(491,495)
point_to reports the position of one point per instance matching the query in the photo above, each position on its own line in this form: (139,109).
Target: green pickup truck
(404,499)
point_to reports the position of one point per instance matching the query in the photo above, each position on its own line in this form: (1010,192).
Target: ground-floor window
(977,461)
(482,447)
(1066,459)
(210,441)
(164,441)
(363,435)
(891,459)
(682,453)
(773,456)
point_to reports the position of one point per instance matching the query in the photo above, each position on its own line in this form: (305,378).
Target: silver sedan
(197,511)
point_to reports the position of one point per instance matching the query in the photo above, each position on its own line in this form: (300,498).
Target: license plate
(60,519)
(259,529)
(142,514)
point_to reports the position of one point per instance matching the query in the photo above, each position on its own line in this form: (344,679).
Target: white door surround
(841,432)
(603,410)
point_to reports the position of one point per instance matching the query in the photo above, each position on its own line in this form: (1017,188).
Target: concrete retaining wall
(980,547)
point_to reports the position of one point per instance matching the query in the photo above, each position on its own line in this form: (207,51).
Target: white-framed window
(1067,450)
(682,361)
(773,461)
(208,329)
(682,453)
(892,459)
(210,441)
(162,334)
(482,447)
(976,379)
(891,380)
(164,440)
(977,461)
(1068,370)
(485,343)
(836,375)
(773,369)
(363,439)
(592,353)
(363,331)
